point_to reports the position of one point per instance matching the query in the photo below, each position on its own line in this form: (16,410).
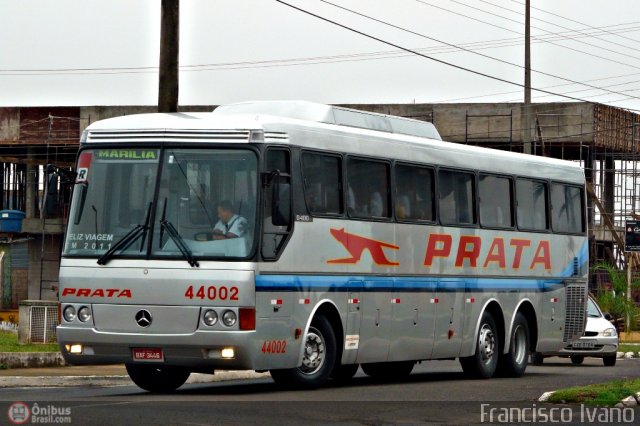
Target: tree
(614,300)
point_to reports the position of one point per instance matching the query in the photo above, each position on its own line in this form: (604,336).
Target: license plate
(148,354)
(586,344)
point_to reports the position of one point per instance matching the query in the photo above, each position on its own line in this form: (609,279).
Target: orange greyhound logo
(356,245)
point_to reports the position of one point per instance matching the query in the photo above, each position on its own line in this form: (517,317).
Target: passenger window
(456,198)
(367,189)
(322,183)
(495,201)
(414,193)
(566,209)
(532,204)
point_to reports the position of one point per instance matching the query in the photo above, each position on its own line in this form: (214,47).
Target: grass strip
(9,343)
(601,394)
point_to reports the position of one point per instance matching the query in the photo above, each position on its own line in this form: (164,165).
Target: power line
(569,29)
(470,51)
(313,60)
(516,32)
(420,54)
(546,87)
(577,22)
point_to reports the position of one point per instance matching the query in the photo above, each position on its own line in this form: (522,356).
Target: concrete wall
(91,114)
(9,124)
(473,122)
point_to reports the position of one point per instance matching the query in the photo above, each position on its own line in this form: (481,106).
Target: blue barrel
(11,220)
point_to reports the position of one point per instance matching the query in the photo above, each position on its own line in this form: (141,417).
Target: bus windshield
(206,204)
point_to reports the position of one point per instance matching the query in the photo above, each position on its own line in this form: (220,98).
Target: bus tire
(318,360)
(577,359)
(609,361)
(537,358)
(388,370)
(344,373)
(514,362)
(482,364)
(157,378)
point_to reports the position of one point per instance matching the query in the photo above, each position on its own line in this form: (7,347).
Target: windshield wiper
(128,239)
(182,246)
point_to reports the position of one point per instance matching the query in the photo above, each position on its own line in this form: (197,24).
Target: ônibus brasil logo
(19,413)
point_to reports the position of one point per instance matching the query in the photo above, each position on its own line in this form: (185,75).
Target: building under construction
(38,146)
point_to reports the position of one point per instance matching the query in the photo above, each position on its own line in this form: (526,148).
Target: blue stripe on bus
(283,282)
(342,283)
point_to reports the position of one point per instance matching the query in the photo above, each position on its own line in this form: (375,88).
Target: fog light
(74,349)
(69,313)
(84,314)
(228,353)
(229,318)
(210,317)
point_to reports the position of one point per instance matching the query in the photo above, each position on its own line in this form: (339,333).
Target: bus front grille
(575,317)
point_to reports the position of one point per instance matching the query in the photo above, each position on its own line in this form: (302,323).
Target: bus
(310,240)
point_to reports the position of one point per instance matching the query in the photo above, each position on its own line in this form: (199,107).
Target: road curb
(116,380)
(31,359)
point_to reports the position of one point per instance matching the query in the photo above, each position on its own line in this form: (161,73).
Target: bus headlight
(210,317)
(69,313)
(84,314)
(229,318)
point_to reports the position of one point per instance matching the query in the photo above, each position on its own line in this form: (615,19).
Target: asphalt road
(436,393)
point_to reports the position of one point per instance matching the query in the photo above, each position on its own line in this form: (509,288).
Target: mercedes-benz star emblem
(143,318)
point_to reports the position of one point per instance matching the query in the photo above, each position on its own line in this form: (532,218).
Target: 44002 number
(212,292)
(274,346)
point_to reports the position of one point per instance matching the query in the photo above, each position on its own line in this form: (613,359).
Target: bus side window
(278,170)
(414,188)
(495,201)
(457,195)
(566,209)
(322,175)
(368,189)
(532,204)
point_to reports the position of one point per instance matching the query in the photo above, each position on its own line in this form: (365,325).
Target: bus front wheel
(482,364)
(157,378)
(318,359)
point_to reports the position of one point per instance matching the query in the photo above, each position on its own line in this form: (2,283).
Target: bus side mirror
(607,316)
(83,197)
(281,204)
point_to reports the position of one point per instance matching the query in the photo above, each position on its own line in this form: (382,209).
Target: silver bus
(308,240)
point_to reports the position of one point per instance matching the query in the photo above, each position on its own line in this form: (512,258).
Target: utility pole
(169,50)
(526,111)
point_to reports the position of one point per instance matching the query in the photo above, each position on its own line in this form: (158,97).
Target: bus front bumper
(205,350)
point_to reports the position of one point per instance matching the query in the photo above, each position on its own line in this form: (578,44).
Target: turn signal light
(247,318)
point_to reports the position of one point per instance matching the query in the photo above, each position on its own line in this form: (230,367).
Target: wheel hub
(487,343)
(314,352)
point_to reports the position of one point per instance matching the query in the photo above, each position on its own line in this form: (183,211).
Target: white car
(599,340)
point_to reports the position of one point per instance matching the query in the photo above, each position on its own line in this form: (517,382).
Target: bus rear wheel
(514,362)
(482,364)
(318,359)
(157,378)
(388,370)
(344,373)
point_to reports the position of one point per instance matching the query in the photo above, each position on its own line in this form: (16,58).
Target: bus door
(375,326)
(551,325)
(354,318)
(449,317)
(413,325)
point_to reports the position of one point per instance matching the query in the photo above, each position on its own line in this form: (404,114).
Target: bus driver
(230,224)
